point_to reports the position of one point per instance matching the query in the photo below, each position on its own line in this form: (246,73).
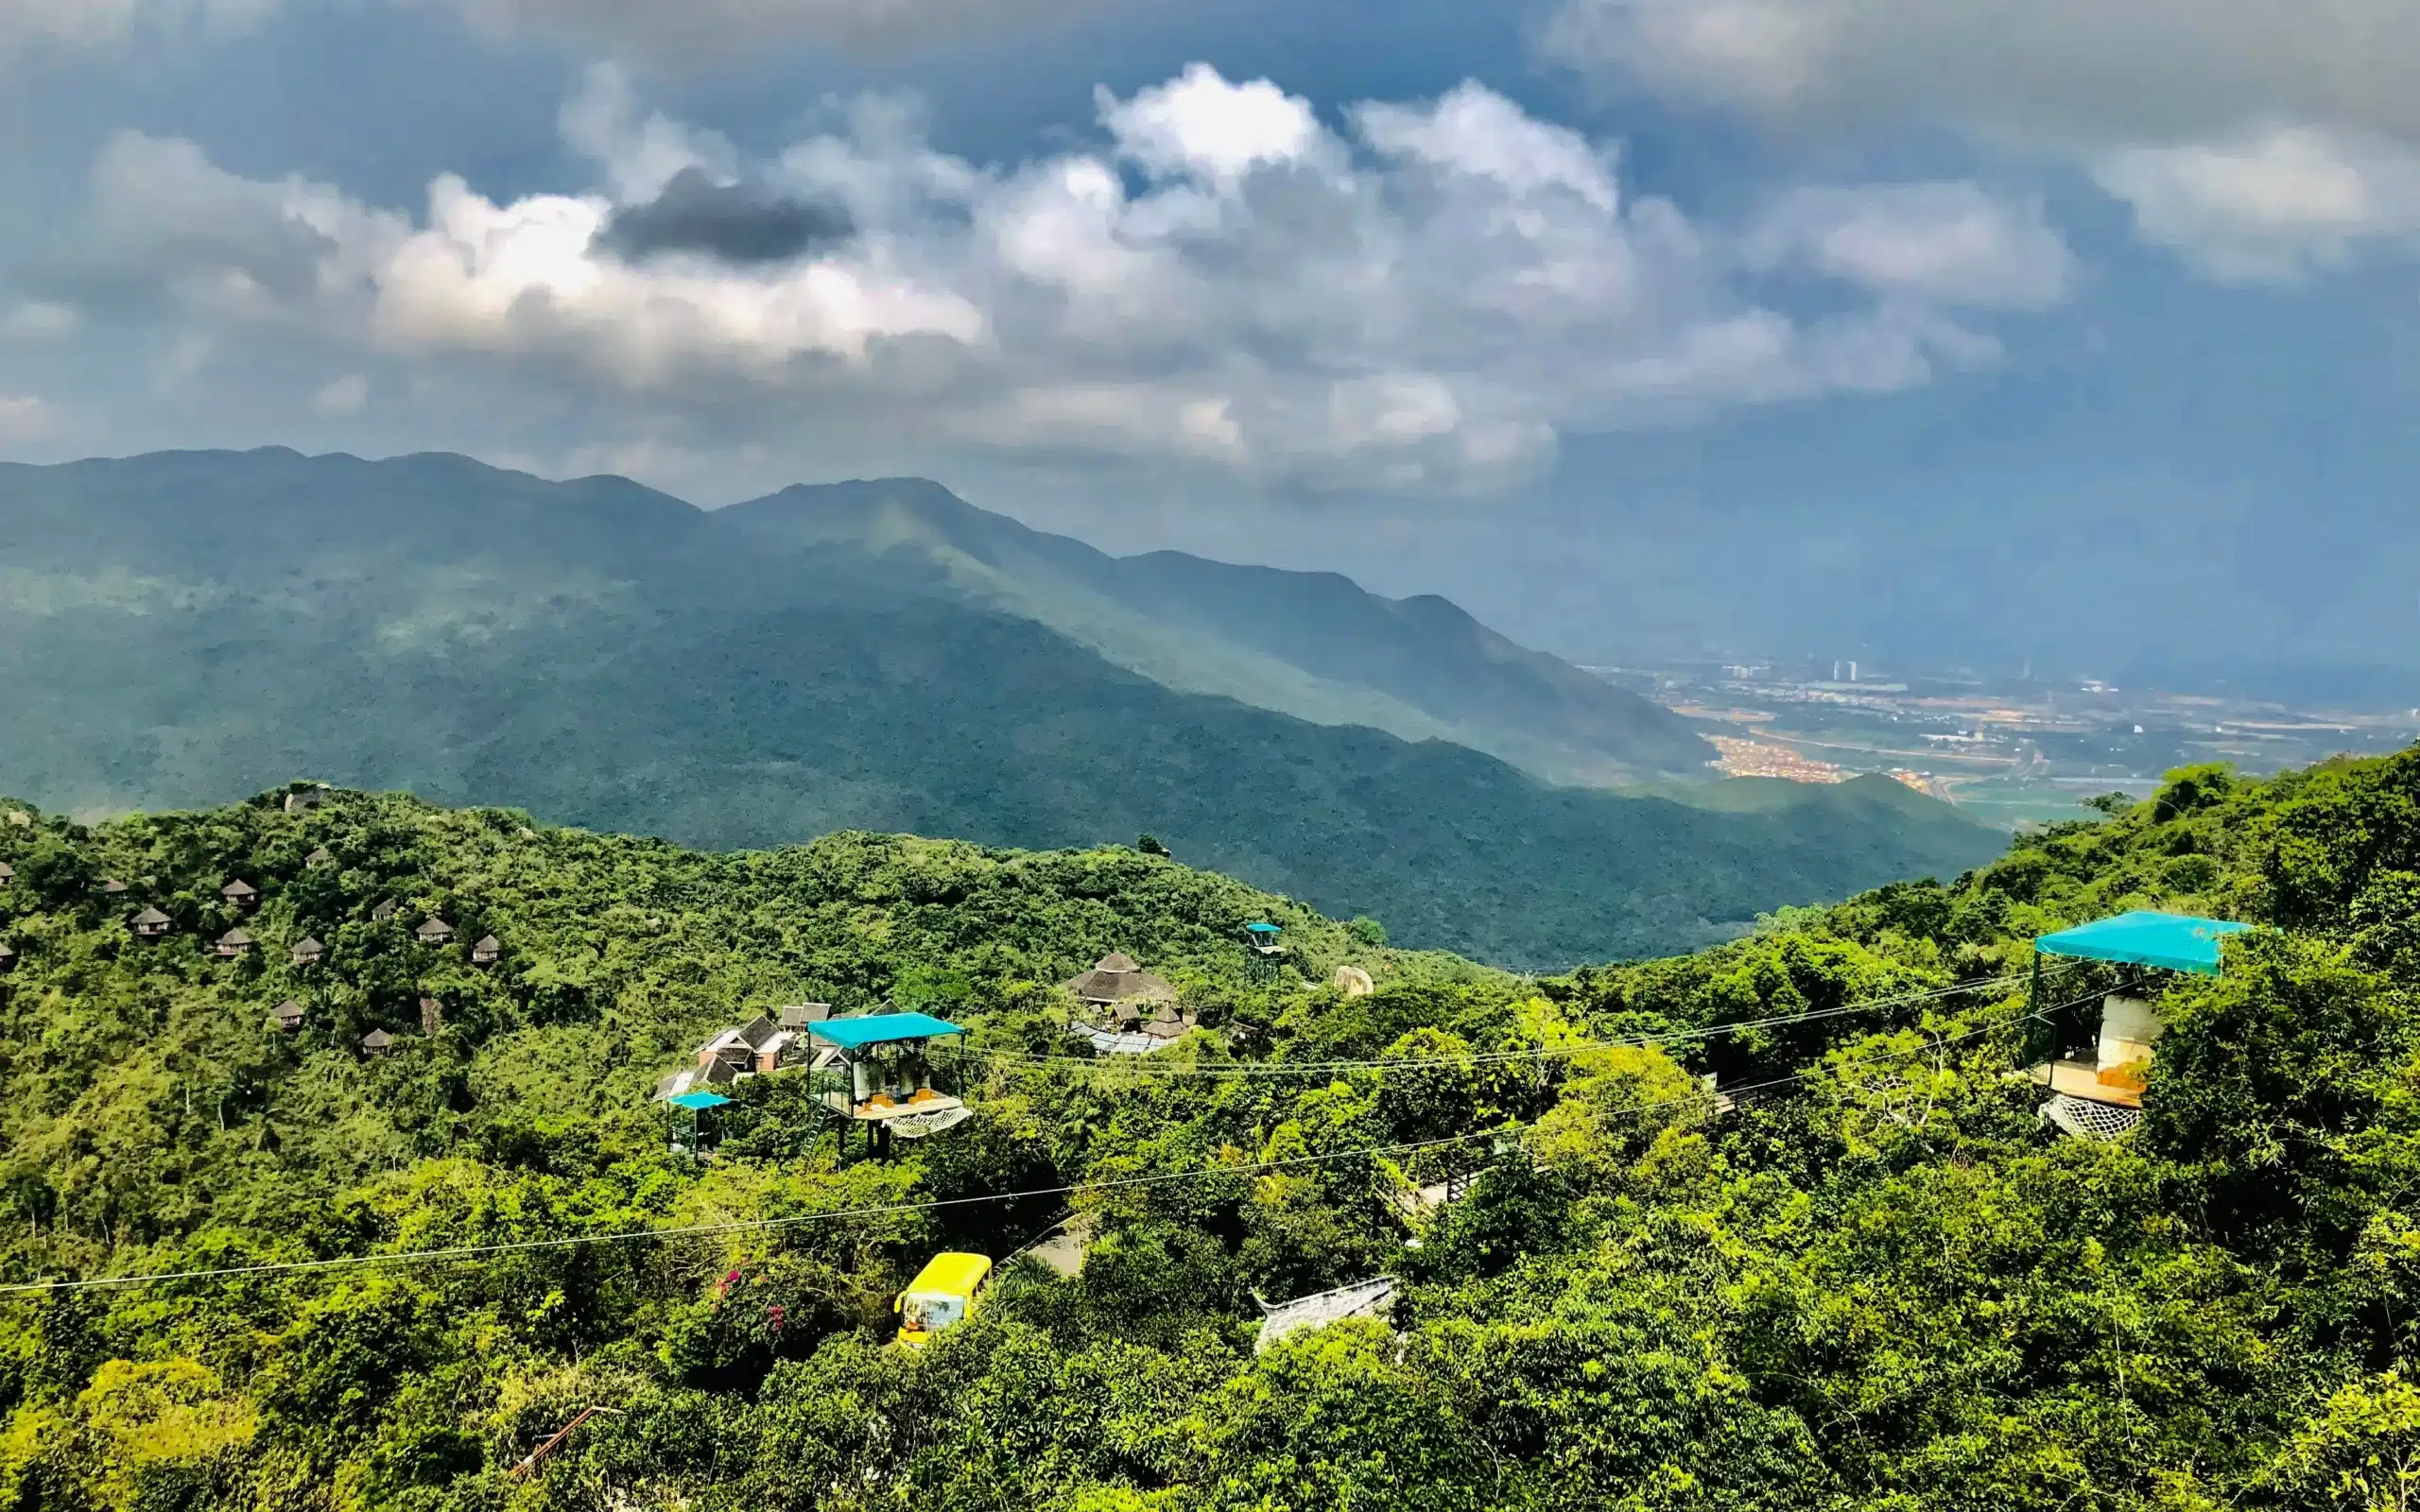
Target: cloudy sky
(1944,329)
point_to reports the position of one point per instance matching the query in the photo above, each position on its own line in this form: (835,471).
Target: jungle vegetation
(1867,1277)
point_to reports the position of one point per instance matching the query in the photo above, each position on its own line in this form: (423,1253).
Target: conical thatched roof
(152,916)
(434,930)
(1119,978)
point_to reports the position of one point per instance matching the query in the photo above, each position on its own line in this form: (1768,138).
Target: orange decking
(2121,1086)
(882,1106)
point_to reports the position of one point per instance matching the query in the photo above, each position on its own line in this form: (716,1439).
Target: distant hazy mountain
(1311,645)
(182,628)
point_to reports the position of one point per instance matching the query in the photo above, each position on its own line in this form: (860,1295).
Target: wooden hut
(7,957)
(377,1042)
(151,924)
(240,894)
(232,944)
(433,931)
(799,1015)
(385,911)
(7,873)
(286,1018)
(487,950)
(111,886)
(308,952)
(318,858)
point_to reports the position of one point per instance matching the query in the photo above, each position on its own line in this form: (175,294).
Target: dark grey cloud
(733,223)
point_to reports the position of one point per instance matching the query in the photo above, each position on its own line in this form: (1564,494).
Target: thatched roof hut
(151,924)
(433,931)
(308,952)
(286,1016)
(240,894)
(1119,978)
(234,943)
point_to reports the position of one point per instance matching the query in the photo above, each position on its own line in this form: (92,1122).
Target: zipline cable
(463,1252)
(1238,1070)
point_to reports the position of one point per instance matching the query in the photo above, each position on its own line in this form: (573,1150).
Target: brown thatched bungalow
(234,943)
(240,894)
(308,952)
(286,1018)
(151,924)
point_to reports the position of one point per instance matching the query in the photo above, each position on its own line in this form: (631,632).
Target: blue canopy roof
(2173,941)
(880,1028)
(698,1102)
(1262,929)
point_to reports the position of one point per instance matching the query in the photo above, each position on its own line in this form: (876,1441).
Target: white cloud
(26,417)
(1424,297)
(2089,71)
(40,321)
(342,396)
(1948,243)
(2174,106)
(2270,204)
(1200,124)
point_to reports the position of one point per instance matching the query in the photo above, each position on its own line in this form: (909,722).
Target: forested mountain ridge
(1311,645)
(180,629)
(1879,1284)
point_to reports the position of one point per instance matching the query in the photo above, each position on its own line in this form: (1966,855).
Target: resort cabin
(715,1073)
(433,931)
(7,957)
(377,1042)
(943,1294)
(308,952)
(384,912)
(240,894)
(486,952)
(7,873)
(881,1076)
(232,944)
(799,1015)
(1361,1299)
(2095,1073)
(111,886)
(151,924)
(318,858)
(432,1016)
(286,1018)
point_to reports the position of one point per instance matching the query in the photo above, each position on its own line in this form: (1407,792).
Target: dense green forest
(182,630)
(1875,1282)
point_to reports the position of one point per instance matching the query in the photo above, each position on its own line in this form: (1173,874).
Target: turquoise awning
(2175,942)
(1262,929)
(880,1029)
(698,1102)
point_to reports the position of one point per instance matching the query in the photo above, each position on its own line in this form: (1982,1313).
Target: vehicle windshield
(929,1311)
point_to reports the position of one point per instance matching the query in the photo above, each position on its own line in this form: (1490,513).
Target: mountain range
(185,627)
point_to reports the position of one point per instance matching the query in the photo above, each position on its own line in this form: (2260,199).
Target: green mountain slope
(1311,645)
(1879,1281)
(178,628)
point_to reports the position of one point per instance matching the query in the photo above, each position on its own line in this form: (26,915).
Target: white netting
(2098,1121)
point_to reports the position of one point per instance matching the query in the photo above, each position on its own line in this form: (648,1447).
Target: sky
(1943,331)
